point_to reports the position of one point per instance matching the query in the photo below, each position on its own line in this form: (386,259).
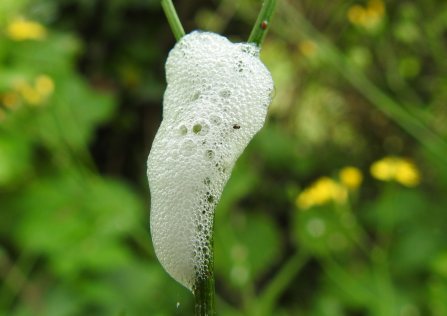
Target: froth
(216,100)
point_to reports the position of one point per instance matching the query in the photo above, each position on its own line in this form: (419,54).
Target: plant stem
(263,22)
(204,292)
(267,300)
(204,295)
(346,281)
(173,19)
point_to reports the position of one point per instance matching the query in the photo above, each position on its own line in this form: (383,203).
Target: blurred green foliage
(81,85)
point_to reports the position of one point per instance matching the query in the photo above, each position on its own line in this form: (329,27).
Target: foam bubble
(213,85)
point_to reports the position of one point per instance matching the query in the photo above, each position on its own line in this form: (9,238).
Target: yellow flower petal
(20,30)
(384,169)
(351,177)
(376,6)
(28,93)
(321,192)
(399,169)
(357,15)
(304,201)
(10,100)
(407,173)
(44,85)
(339,193)
(308,48)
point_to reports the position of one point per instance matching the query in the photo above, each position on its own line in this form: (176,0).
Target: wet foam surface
(216,100)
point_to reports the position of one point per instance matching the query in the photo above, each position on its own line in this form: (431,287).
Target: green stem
(384,283)
(263,22)
(204,292)
(282,280)
(204,296)
(173,19)
(346,281)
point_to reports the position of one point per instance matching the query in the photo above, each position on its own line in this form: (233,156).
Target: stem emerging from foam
(263,22)
(204,291)
(204,296)
(204,287)
(174,21)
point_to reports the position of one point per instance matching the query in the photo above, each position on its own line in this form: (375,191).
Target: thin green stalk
(347,282)
(204,296)
(267,300)
(173,19)
(384,283)
(204,292)
(204,287)
(263,22)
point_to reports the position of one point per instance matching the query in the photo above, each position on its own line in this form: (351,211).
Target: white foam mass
(216,100)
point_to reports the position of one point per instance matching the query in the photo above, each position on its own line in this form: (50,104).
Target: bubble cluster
(213,85)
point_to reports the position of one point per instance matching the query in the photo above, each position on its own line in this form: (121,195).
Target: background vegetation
(337,207)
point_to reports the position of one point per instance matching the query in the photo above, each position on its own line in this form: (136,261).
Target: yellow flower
(383,169)
(44,85)
(399,169)
(357,15)
(321,192)
(308,48)
(407,173)
(377,7)
(351,177)
(369,16)
(10,100)
(339,193)
(20,30)
(28,93)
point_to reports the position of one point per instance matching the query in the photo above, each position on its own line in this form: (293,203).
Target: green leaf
(79,223)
